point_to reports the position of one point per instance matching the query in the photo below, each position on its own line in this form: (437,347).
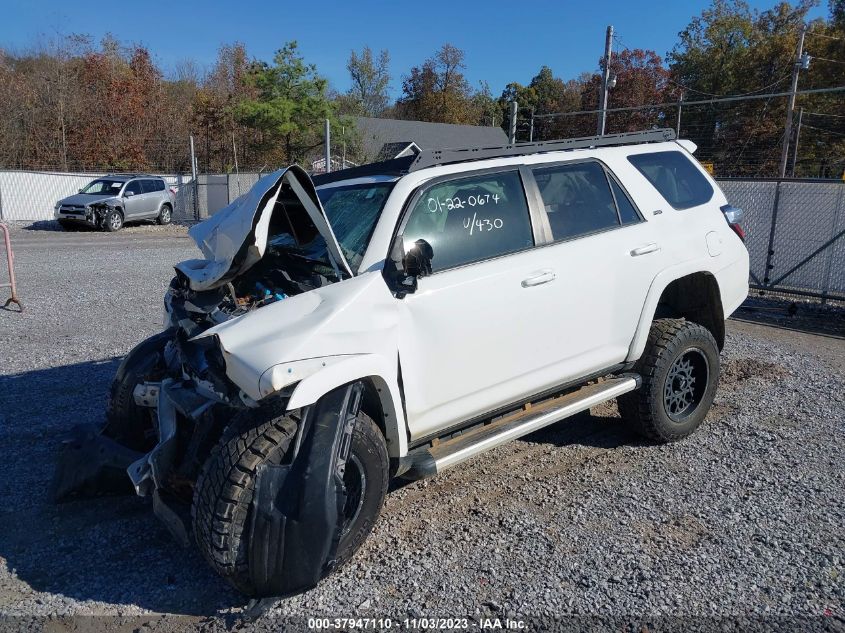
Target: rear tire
(680,374)
(223,495)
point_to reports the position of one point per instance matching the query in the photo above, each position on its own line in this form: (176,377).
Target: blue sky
(504,41)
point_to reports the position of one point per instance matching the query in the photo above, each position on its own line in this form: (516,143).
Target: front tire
(165,215)
(126,422)
(113,221)
(222,505)
(680,374)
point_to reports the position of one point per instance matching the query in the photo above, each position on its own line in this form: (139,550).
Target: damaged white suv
(399,318)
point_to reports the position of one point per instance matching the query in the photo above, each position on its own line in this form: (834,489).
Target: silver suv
(110,201)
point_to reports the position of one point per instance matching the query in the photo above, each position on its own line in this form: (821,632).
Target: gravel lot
(745,518)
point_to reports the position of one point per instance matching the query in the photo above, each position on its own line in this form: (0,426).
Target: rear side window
(675,177)
(151,186)
(577,198)
(471,219)
(627,211)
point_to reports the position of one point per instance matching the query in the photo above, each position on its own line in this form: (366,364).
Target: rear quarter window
(675,177)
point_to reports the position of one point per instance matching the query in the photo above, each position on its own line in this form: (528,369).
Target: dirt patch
(735,371)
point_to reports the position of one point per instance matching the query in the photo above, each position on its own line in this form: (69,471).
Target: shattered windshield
(352,211)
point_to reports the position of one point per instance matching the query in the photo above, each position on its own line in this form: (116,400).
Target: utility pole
(605,78)
(328,146)
(237,171)
(797,138)
(531,130)
(512,123)
(678,121)
(787,131)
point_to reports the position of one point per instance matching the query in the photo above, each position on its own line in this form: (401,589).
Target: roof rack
(433,157)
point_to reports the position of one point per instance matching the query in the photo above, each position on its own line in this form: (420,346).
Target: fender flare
(314,377)
(655,291)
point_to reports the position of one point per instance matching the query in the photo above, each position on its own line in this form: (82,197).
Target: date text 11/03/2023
(416,624)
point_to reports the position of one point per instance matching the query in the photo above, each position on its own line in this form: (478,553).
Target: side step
(429,461)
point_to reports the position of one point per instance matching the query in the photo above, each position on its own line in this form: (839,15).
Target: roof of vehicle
(436,157)
(129,176)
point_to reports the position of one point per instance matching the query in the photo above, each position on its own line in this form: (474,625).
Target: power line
(837,116)
(830,37)
(670,104)
(820,129)
(825,59)
(745,94)
(712,94)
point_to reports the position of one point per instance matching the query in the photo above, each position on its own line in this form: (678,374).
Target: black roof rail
(433,157)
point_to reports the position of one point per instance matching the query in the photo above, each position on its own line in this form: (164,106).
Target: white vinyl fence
(31,196)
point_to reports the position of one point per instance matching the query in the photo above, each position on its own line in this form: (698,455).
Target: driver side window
(134,187)
(471,219)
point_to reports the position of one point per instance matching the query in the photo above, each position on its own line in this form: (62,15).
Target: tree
(370,79)
(289,106)
(731,50)
(438,91)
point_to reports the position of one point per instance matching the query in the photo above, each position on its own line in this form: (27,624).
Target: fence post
(194,178)
(771,251)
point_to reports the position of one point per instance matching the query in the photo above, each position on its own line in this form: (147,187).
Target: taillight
(173,191)
(733,215)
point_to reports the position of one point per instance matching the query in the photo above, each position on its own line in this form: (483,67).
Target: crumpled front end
(269,246)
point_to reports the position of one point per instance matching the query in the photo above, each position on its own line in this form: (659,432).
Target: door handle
(645,249)
(543,277)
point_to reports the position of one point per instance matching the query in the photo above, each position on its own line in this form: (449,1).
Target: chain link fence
(795,228)
(795,234)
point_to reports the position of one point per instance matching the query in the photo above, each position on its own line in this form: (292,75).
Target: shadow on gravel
(107,550)
(585,429)
(801,316)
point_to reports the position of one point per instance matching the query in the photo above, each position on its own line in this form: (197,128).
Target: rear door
(607,256)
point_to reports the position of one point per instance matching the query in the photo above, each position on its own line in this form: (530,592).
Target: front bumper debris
(91,464)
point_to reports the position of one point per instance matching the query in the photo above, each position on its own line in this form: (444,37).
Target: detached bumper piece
(90,464)
(297,509)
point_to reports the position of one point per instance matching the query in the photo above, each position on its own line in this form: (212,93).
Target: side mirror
(404,269)
(128,194)
(417,261)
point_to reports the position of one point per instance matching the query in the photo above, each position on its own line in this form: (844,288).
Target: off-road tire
(112,221)
(221,509)
(647,410)
(126,422)
(165,215)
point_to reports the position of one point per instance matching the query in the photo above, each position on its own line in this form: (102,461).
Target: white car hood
(235,238)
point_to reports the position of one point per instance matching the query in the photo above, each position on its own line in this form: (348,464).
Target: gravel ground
(743,519)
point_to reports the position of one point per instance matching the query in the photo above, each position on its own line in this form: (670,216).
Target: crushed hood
(84,199)
(235,238)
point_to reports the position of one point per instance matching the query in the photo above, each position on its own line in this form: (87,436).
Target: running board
(434,459)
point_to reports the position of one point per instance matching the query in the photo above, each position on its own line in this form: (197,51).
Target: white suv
(399,318)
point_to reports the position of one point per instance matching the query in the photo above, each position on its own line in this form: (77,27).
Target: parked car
(398,319)
(109,202)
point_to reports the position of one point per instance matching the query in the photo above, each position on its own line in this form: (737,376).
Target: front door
(133,200)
